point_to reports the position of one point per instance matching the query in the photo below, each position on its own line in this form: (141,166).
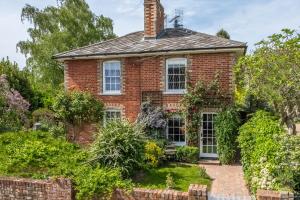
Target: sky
(246,20)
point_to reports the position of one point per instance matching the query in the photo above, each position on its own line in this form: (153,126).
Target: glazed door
(208,142)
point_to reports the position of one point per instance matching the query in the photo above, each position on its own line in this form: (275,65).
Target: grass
(183,175)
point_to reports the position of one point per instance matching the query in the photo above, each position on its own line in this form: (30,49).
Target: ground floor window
(208,135)
(176,129)
(112,115)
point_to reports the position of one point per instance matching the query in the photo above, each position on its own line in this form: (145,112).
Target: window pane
(176,76)
(176,131)
(112,76)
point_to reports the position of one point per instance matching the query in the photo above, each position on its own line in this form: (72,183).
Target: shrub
(187,154)
(13,107)
(270,158)
(77,108)
(153,119)
(227,124)
(40,155)
(119,145)
(153,154)
(170,184)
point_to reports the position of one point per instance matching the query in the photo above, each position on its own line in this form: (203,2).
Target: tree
(222,33)
(56,29)
(272,73)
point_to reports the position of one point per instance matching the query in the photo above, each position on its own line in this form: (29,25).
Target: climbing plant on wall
(199,96)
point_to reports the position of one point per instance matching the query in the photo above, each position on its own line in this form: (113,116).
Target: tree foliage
(272,73)
(222,33)
(56,29)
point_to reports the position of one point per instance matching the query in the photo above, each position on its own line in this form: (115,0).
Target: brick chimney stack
(154,17)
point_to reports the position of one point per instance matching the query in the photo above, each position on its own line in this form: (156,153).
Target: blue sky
(246,20)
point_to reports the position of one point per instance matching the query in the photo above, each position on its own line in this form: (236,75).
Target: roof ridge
(95,44)
(225,39)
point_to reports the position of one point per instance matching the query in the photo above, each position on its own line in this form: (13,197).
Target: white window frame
(109,92)
(175,61)
(167,131)
(111,110)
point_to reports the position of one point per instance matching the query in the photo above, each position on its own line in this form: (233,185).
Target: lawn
(183,176)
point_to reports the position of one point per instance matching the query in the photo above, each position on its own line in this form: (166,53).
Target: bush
(187,154)
(270,157)
(119,145)
(40,155)
(153,119)
(77,108)
(153,154)
(227,124)
(13,107)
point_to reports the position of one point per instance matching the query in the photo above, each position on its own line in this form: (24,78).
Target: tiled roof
(170,40)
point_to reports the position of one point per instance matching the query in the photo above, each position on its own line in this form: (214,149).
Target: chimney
(154,17)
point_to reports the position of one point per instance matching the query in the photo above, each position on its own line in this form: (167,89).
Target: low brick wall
(273,195)
(20,189)
(195,192)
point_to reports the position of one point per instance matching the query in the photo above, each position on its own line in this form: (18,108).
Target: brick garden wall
(20,189)
(273,195)
(196,192)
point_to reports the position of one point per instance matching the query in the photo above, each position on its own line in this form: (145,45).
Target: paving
(228,182)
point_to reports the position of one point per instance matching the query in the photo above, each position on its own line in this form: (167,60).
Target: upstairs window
(176,75)
(112,77)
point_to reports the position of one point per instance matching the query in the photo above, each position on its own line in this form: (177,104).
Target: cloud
(248,21)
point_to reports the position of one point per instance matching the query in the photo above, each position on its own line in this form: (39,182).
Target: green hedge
(187,154)
(227,125)
(39,155)
(270,157)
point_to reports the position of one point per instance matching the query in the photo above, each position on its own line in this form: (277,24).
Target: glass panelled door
(208,142)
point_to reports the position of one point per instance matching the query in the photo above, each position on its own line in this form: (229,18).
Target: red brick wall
(20,189)
(196,192)
(153,18)
(146,74)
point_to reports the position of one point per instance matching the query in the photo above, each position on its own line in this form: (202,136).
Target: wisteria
(13,106)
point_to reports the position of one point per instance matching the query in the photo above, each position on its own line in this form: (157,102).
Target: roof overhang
(238,50)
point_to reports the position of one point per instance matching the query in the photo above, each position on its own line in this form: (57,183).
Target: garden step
(170,151)
(209,162)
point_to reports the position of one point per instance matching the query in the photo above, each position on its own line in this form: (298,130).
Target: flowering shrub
(270,157)
(153,154)
(153,119)
(13,107)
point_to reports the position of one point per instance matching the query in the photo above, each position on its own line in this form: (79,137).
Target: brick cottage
(155,63)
